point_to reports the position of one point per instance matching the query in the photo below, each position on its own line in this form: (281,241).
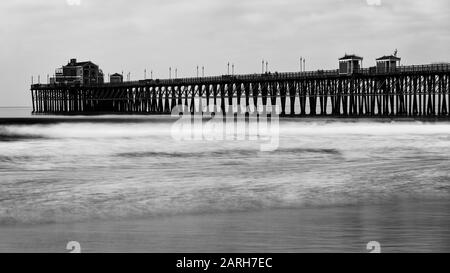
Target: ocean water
(332,185)
(15,112)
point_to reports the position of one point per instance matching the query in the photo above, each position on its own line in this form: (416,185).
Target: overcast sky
(38,36)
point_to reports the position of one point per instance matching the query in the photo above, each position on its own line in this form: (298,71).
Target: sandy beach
(400,226)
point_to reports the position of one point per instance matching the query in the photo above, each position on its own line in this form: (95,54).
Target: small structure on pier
(82,73)
(388,63)
(116,78)
(350,64)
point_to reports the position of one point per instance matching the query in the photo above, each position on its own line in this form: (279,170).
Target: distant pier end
(387,89)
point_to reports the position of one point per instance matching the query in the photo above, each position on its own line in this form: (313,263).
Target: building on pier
(388,63)
(83,73)
(350,64)
(116,78)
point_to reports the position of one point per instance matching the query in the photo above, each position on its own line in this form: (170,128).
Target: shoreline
(124,118)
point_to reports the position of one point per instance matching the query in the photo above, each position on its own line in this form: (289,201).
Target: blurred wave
(77,171)
(8,135)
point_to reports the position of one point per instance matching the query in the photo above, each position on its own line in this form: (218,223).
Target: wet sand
(399,226)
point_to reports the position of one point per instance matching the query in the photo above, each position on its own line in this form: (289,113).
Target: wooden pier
(406,91)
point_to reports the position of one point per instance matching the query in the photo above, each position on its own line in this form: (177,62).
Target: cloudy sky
(123,35)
